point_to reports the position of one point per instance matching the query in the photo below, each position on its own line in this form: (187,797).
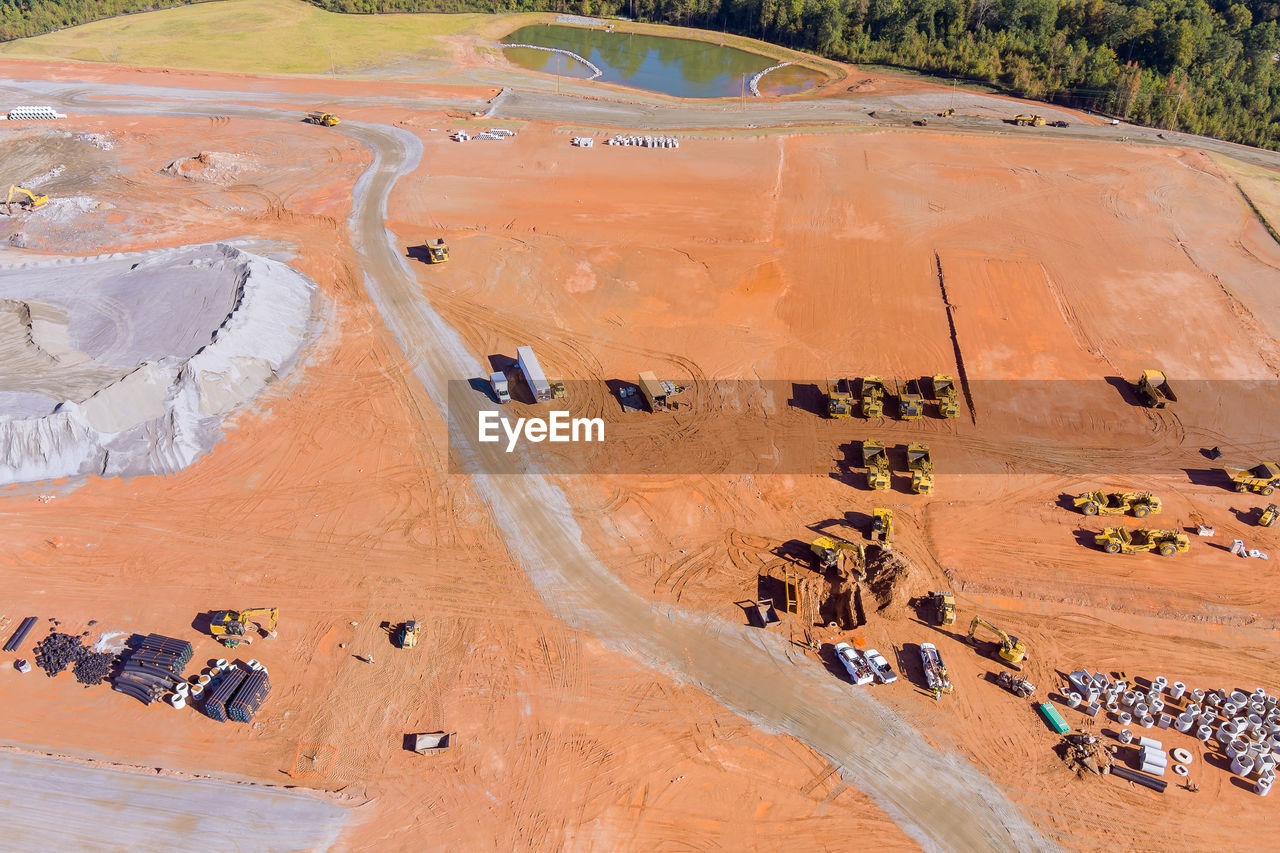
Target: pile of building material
(249,698)
(1086,752)
(94,667)
(20,634)
(582,141)
(644,141)
(493,133)
(153,668)
(58,651)
(34,114)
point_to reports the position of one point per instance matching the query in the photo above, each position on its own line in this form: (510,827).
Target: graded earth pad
(128,364)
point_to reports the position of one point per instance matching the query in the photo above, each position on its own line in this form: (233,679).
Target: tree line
(1211,68)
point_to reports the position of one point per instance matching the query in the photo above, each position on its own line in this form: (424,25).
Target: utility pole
(332,70)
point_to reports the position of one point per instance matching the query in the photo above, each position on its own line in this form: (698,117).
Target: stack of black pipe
(215,704)
(153,668)
(20,634)
(249,697)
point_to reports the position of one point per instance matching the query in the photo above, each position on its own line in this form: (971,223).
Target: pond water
(673,66)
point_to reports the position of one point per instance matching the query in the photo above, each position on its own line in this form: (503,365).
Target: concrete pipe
(177,701)
(1150,743)
(1213,700)
(1161,682)
(1229,709)
(1154,769)
(1074,700)
(1157,706)
(1113,708)
(1125,718)
(1180,755)
(1242,765)
(1263,763)
(1177,689)
(1242,724)
(1226,733)
(221,663)
(1271,701)
(1207,718)
(1152,695)
(1126,736)
(1204,733)
(1141,709)
(1129,698)
(197,690)
(1184,722)
(1262,788)
(1255,724)
(182,688)
(1148,722)
(1236,747)
(1197,695)
(1193,709)
(204,681)
(1239,697)
(1180,769)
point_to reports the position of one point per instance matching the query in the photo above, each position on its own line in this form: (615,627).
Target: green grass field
(252,36)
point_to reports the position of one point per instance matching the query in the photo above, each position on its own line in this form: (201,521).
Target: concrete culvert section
(127,364)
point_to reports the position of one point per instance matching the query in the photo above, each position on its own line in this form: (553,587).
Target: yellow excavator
(26,199)
(848,557)
(232,627)
(1012,650)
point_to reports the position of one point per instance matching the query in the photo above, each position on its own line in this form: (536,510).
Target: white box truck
(501,391)
(538,384)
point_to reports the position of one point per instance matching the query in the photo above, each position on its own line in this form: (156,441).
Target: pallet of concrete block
(223,690)
(500,132)
(645,141)
(34,114)
(249,698)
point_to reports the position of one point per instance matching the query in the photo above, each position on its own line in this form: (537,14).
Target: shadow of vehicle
(808,397)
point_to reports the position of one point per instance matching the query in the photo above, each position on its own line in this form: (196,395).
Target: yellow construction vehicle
(847,557)
(324,119)
(1031,120)
(910,401)
(1268,516)
(1154,390)
(882,527)
(944,604)
(944,392)
(438,253)
(406,636)
(947,113)
(1012,650)
(839,398)
(1262,479)
(876,461)
(1097,502)
(27,200)
(872,397)
(1122,540)
(920,464)
(232,627)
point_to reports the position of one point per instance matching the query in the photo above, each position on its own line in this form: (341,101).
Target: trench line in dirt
(955,343)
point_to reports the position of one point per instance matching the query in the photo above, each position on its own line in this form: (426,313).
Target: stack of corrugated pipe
(153,668)
(221,691)
(249,698)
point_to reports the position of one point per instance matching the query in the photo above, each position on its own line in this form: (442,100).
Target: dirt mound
(212,167)
(891,577)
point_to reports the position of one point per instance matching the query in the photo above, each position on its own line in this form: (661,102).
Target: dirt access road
(53,805)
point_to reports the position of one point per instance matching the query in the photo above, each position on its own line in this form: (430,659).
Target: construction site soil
(748,256)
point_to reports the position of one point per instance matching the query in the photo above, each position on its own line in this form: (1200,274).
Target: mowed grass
(252,36)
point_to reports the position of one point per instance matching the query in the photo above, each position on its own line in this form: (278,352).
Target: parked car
(880,667)
(859,670)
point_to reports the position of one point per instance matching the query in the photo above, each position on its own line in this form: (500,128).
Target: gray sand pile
(125,365)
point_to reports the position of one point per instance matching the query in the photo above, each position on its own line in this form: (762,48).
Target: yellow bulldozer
(1122,540)
(920,464)
(1262,479)
(944,392)
(1029,121)
(25,199)
(850,558)
(1012,650)
(406,636)
(1098,502)
(876,460)
(839,398)
(233,627)
(323,119)
(882,527)
(872,397)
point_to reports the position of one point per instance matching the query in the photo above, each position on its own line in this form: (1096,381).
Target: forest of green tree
(1206,67)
